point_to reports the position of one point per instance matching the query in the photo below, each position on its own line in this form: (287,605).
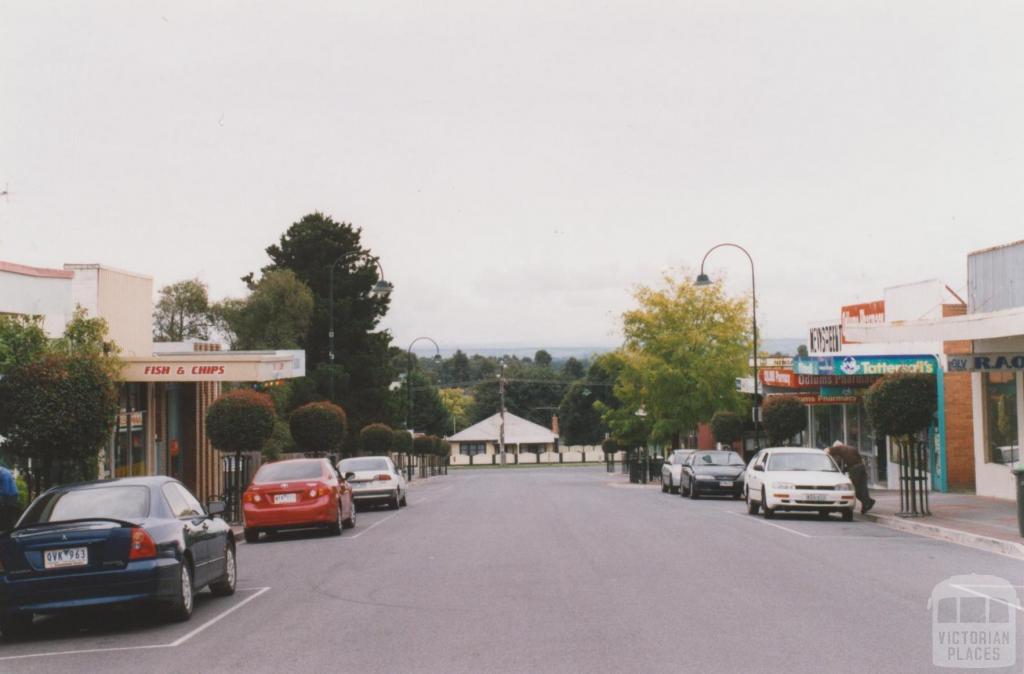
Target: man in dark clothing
(850,461)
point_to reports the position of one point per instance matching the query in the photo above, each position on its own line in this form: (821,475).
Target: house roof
(517,431)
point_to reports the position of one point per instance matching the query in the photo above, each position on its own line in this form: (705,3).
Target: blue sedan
(124,541)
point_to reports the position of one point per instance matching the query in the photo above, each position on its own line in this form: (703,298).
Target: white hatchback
(797,479)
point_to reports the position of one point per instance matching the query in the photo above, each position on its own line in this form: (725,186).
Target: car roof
(795,450)
(143,481)
(683,451)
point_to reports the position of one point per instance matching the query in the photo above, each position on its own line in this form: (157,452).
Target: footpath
(976,521)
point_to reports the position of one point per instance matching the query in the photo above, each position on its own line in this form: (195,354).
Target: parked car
(375,479)
(109,542)
(297,494)
(797,479)
(670,470)
(712,473)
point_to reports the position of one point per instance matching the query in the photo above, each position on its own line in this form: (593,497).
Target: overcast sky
(520,166)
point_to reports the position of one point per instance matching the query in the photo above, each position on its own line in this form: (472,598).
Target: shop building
(166,389)
(985,347)
(840,367)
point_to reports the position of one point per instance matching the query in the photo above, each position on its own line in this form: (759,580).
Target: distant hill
(785,345)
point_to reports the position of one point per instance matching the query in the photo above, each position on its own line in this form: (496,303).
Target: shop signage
(868,313)
(818,399)
(865,365)
(985,362)
(238,369)
(778,378)
(840,391)
(822,339)
(832,380)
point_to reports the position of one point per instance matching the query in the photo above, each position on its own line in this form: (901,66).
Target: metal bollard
(1018,474)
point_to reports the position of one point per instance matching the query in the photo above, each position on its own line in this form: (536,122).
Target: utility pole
(501,428)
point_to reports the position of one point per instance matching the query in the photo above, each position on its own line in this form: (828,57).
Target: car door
(198,536)
(755,477)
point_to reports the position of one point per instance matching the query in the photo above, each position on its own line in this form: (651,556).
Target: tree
(429,412)
(542,358)
(58,399)
(280,441)
(456,370)
(57,410)
(275,315)
(240,421)
(573,369)
(727,427)
(318,427)
(579,421)
(376,439)
(362,371)
(402,441)
(182,312)
(457,402)
(22,340)
(801,351)
(783,417)
(531,392)
(684,348)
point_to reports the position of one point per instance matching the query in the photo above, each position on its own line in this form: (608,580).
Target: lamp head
(382,289)
(702,280)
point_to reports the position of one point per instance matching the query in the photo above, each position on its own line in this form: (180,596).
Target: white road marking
(173,644)
(772,524)
(380,521)
(982,594)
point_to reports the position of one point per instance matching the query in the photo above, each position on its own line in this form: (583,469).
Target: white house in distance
(524,441)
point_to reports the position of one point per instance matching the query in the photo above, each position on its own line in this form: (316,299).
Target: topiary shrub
(726,427)
(318,427)
(782,418)
(376,439)
(240,421)
(423,444)
(901,405)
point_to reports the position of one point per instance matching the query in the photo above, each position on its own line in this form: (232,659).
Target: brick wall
(959,414)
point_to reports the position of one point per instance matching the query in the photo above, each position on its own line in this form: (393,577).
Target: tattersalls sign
(985,362)
(865,365)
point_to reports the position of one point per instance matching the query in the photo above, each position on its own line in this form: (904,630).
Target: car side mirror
(215,508)
(759,467)
(349,475)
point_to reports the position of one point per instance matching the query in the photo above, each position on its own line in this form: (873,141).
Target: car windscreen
(717,459)
(362,463)
(120,502)
(801,461)
(290,470)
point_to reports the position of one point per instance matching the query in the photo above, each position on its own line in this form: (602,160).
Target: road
(548,570)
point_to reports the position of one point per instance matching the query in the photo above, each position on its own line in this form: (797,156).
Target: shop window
(472,448)
(1000,390)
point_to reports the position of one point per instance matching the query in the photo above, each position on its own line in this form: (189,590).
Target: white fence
(573,454)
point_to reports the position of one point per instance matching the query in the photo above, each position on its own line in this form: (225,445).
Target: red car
(297,494)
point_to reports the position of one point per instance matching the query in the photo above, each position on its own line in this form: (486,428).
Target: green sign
(865,365)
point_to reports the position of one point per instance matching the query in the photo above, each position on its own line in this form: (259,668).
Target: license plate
(725,484)
(359,485)
(285,498)
(817,498)
(59,559)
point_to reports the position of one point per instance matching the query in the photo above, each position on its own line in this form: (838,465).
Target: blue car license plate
(65,557)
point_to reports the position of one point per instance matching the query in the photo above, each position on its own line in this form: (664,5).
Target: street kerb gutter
(976,541)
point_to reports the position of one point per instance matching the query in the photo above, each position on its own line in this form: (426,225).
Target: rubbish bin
(1018,474)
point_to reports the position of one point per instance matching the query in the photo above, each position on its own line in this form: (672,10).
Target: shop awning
(984,325)
(224,366)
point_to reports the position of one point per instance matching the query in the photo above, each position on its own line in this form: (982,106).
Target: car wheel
(251,535)
(765,510)
(180,609)
(405,499)
(848,515)
(394,504)
(752,505)
(351,521)
(336,526)
(225,587)
(694,492)
(16,626)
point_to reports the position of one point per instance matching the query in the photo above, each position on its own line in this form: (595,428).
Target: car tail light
(142,546)
(383,477)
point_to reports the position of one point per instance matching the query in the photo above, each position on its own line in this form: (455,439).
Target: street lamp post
(703,280)
(408,391)
(380,289)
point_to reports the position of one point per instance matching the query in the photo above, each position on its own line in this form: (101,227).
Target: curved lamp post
(380,289)
(704,280)
(408,388)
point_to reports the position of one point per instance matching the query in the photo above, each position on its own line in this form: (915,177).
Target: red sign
(868,313)
(779,378)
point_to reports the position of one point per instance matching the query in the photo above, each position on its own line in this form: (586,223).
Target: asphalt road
(548,570)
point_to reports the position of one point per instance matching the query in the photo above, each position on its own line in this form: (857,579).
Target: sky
(520,167)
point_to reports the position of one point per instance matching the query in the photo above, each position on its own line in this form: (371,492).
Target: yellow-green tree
(684,348)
